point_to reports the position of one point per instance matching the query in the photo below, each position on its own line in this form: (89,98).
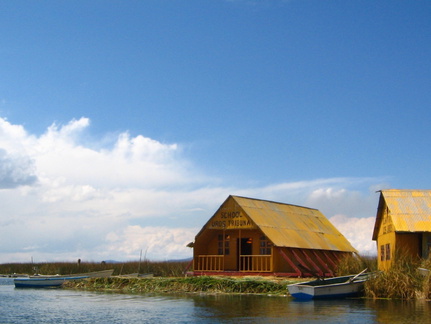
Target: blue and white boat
(43,282)
(337,287)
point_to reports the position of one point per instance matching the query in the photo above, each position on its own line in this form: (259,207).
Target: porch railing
(247,263)
(255,263)
(210,263)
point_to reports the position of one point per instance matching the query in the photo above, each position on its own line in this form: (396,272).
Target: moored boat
(43,282)
(337,287)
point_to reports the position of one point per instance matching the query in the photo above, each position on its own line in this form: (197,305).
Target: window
(382,253)
(227,245)
(265,246)
(223,242)
(388,251)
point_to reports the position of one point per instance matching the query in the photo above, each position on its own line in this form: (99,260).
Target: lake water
(71,306)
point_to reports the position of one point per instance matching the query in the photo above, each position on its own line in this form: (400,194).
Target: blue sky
(161,109)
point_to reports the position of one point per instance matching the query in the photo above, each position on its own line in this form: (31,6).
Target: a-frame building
(403,225)
(250,236)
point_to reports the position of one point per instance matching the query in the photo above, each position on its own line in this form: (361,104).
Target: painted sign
(230,220)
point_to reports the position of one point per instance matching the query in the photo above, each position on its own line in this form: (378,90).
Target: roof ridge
(403,190)
(272,201)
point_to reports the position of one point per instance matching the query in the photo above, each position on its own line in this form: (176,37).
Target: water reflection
(261,309)
(69,306)
(244,308)
(397,311)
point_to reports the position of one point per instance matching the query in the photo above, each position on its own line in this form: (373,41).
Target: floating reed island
(201,284)
(402,281)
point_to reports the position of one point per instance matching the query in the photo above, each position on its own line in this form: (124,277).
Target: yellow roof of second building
(410,210)
(294,226)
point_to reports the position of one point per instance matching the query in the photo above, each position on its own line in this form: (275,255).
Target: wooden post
(323,263)
(292,264)
(319,271)
(301,262)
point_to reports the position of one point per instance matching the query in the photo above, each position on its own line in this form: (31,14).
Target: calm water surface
(70,306)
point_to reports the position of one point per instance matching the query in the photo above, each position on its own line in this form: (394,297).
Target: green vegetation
(202,284)
(401,281)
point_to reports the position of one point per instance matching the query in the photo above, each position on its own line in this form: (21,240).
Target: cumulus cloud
(16,166)
(67,198)
(166,242)
(130,162)
(15,170)
(358,231)
(64,199)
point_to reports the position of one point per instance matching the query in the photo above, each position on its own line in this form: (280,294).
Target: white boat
(43,282)
(337,287)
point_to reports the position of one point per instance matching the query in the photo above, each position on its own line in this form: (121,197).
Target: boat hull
(339,287)
(42,282)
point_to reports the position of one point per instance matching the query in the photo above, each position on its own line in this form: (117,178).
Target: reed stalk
(355,263)
(401,281)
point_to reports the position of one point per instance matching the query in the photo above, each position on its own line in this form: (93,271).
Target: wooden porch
(247,263)
(297,263)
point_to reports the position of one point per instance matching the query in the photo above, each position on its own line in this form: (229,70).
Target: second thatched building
(403,226)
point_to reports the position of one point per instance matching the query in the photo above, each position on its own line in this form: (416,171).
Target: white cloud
(132,161)
(63,199)
(352,212)
(15,170)
(83,195)
(16,167)
(167,243)
(358,231)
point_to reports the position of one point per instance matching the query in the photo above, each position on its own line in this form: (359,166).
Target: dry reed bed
(203,284)
(401,281)
(163,269)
